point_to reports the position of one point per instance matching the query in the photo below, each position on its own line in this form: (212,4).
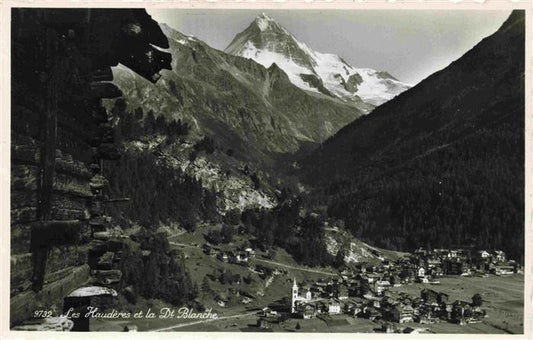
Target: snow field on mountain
(334,72)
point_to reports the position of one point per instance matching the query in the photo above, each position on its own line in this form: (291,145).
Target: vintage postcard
(266,170)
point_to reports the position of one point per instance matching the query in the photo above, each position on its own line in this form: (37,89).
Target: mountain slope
(266,42)
(443,163)
(246,107)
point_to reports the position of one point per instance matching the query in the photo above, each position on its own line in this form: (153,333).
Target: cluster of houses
(337,296)
(465,262)
(363,290)
(239,256)
(427,266)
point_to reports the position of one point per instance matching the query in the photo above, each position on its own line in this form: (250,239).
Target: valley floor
(504,305)
(503,298)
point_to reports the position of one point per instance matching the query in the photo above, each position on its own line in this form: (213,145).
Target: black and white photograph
(267,170)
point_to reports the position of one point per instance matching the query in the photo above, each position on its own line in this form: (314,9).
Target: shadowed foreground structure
(61,136)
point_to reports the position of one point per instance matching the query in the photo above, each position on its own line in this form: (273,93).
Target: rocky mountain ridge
(255,111)
(268,43)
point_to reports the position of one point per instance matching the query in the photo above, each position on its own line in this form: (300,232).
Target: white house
(381,286)
(334,307)
(250,252)
(421,272)
(241,257)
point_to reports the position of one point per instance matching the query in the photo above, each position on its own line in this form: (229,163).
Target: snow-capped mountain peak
(263,21)
(267,42)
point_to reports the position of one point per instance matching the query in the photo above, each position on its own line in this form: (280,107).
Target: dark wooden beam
(116,200)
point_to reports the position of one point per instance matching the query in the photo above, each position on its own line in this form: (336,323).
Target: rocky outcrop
(353,81)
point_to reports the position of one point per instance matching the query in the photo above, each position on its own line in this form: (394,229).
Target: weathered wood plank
(105,90)
(24,177)
(20,238)
(25,154)
(51,295)
(102,75)
(20,271)
(60,258)
(74,168)
(66,194)
(62,214)
(74,145)
(97,207)
(55,232)
(57,262)
(49,93)
(117,200)
(23,215)
(23,199)
(107,277)
(69,202)
(72,186)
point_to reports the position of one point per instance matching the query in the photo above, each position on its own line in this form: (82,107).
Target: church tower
(294,296)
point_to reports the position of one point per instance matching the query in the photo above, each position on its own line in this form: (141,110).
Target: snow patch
(375,90)
(266,58)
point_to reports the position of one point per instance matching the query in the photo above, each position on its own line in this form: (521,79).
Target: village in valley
(376,291)
(365,291)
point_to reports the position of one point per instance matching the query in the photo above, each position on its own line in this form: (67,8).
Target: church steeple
(294,296)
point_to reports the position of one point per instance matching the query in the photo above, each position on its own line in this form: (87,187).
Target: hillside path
(184,245)
(316,271)
(295,268)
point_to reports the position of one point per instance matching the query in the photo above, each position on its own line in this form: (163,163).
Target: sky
(409,44)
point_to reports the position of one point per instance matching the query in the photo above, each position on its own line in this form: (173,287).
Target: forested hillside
(158,192)
(443,163)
